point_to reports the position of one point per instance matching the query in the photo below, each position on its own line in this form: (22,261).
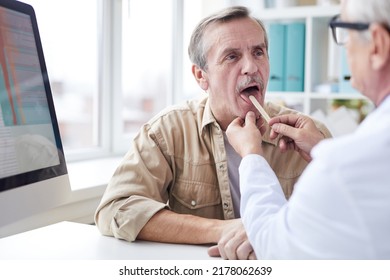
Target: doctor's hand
(245,136)
(233,244)
(298,132)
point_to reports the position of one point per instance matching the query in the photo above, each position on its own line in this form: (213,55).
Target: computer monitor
(33,173)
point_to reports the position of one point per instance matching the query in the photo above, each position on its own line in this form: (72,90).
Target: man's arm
(170,227)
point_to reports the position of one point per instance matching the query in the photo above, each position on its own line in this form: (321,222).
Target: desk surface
(73,241)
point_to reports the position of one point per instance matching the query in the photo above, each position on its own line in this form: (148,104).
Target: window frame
(120,142)
(111,139)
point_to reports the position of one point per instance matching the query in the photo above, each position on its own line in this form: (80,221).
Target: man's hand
(245,136)
(233,244)
(298,133)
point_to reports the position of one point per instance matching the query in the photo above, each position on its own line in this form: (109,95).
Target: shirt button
(193,203)
(225,205)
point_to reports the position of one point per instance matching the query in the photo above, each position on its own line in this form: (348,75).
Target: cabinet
(322,59)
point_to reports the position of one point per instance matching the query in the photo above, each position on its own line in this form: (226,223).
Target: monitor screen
(30,145)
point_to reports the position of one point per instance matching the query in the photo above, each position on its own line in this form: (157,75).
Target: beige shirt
(178,161)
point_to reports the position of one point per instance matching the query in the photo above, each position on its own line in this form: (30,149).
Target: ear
(380,46)
(200,77)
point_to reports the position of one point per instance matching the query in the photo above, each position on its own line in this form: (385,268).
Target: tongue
(245,97)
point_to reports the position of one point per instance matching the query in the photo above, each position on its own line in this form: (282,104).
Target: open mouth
(251,90)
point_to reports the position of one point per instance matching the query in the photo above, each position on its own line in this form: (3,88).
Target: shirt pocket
(196,198)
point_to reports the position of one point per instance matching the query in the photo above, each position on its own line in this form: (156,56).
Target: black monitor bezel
(19,180)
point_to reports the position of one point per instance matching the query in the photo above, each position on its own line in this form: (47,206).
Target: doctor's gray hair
(369,12)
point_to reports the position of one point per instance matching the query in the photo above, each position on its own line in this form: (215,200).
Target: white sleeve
(260,186)
(261,198)
(320,221)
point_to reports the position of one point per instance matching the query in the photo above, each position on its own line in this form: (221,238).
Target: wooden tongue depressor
(259,108)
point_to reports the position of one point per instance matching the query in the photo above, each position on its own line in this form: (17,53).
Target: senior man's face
(237,66)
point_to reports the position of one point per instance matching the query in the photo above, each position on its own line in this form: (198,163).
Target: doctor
(340,208)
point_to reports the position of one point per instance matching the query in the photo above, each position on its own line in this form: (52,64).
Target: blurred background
(113,64)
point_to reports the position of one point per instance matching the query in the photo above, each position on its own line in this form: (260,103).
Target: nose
(249,65)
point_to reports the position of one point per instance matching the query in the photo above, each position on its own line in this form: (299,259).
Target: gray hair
(197,49)
(369,11)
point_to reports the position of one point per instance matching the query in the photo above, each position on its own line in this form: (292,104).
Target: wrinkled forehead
(344,4)
(346,12)
(244,30)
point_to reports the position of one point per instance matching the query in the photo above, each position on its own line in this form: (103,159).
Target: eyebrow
(229,50)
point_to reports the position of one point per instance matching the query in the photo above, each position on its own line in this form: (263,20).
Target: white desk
(73,241)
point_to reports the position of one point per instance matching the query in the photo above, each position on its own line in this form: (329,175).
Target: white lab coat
(340,207)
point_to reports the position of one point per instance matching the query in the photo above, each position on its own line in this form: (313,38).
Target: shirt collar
(208,118)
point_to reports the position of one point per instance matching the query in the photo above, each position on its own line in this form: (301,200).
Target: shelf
(336,95)
(282,94)
(314,95)
(322,57)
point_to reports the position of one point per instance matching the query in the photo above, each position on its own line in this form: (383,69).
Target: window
(146,60)
(69,34)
